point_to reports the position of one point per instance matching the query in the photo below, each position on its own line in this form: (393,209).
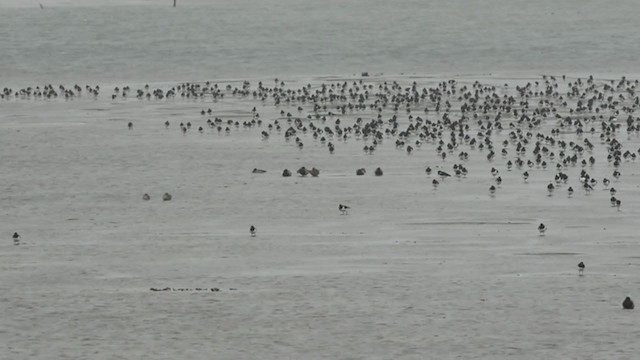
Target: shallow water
(412,272)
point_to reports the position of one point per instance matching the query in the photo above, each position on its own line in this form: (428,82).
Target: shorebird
(286,173)
(627,304)
(378,172)
(343,209)
(581,268)
(435,183)
(616,174)
(130,125)
(443,174)
(525,176)
(570,191)
(258,171)
(492,190)
(542,228)
(146,197)
(494,171)
(361,171)
(252,231)
(303,171)
(166,197)
(550,188)
(16,238)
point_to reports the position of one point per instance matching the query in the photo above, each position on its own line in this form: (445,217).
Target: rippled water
(147,41)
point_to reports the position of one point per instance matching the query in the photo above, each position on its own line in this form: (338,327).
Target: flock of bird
(551,123)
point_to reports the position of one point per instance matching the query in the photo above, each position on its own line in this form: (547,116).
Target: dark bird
(627,304)
(443,174)
(378,172)
(581,268)
(252,231)
(542,228)
(258,171)
(166,197)
(146,197)
(343,209)
(286,173)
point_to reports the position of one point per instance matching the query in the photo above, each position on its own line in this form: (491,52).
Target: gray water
(413,272)
(145,41)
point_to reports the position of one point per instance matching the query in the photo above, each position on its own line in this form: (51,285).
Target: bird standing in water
(581,268)
(252,231)
(542,228)
(343,209)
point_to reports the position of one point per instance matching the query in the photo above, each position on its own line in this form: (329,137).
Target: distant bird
(550,188)
(286,173)
(492,190)
(343,209)
(542,228)
(16,238)
(252,231)
(428,170)
(435,183)
(627,304)
(443,174)
(587,188)
(258,171)
(130,125)
(303,171)
(494,171)
(146,197)
(378,172)
(166,197)
(361,171)
(525,176)
(314,172)
(616,174)
(570,191)
(618,203)
(581,268)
